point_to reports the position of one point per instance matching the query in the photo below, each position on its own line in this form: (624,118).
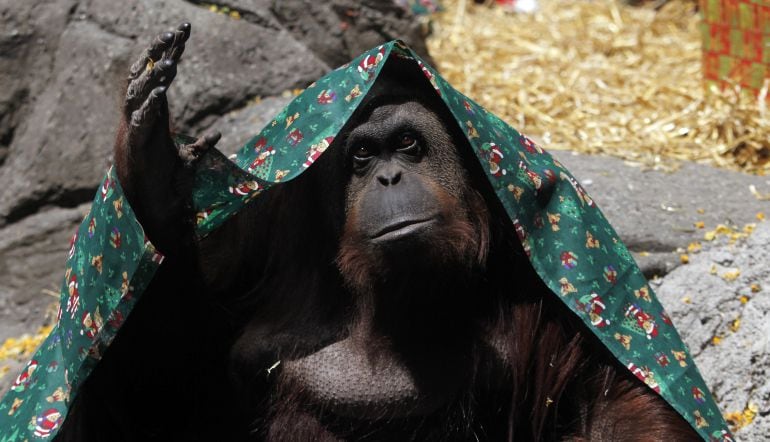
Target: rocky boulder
(720,302)
(718,293)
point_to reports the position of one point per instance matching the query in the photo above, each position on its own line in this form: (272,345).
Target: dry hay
(602,77)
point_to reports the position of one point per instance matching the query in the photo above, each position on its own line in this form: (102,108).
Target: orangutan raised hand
(154,171)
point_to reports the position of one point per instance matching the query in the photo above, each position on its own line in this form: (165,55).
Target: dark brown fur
(558,382)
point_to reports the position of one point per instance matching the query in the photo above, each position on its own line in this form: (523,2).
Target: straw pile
(602,77)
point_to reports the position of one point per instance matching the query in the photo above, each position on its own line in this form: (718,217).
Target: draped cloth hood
(569,242)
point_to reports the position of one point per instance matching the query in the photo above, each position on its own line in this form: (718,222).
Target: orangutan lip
(402,228)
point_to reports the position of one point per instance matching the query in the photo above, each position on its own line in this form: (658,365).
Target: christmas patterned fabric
(110,263)
(569,242)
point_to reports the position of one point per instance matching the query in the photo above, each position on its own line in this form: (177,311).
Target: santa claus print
(47,422)
(73,300)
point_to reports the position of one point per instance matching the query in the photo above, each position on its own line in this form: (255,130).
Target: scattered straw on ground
(602,77)
(21,348)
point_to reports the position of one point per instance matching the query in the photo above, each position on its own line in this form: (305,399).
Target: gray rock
(227,62)
(32,256)
(26,55)
(62,65)
(705,305)
(338,30)
(62,148)
(655,212)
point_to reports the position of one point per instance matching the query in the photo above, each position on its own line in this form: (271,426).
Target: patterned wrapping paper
(569,242)
(736,42)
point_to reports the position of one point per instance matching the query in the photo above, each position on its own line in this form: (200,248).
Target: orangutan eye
(362,153)
(408,144)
